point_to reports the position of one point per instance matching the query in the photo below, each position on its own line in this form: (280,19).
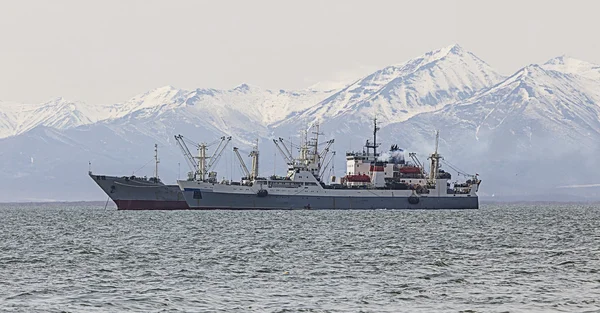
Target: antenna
(375,129)
(374,145)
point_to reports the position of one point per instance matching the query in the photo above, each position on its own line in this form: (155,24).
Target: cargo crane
(325,150)
(189,158)
(323,156)
(244,167)
(204,164)
(418,163)
(327,163)
(285,152)
(252,174)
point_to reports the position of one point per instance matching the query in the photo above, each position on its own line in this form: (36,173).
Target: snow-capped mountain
(571,65)
(532,131)
(224,109)
(398,92)
(244,111)
(526,130)
(16,118)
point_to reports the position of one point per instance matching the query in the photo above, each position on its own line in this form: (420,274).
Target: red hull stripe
(151,205)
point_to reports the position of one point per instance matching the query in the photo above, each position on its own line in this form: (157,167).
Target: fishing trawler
(372,181)
(141,193)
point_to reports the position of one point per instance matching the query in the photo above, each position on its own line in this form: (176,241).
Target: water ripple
(502,258)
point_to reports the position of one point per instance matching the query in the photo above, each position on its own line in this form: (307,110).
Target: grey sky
(106,51)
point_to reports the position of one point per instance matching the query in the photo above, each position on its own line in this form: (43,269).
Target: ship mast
(156,161)
(202,161)
(316,145)
(254,155)
(303,148)
(435,159)
(374,145)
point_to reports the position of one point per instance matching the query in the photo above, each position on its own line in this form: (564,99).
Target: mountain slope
(527,130)
(16,118)
(397,92)
(524,134)
(241,105)
(570,65)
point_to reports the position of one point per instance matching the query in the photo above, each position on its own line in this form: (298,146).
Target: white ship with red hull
(372,181)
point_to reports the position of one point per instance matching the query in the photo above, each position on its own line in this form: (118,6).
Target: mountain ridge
(503,127)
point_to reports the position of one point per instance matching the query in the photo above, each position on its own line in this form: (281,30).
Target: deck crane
(325,150)
(214,158)
(244,168)
(285,153)
(321,158)
(327,163)
(204,164)
(254,154)
(289,153)
(413,156)
(189,158)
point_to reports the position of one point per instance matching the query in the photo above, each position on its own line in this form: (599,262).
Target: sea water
(501,258)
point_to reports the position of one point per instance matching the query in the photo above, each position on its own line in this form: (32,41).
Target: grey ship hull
(134,194)
(207,199)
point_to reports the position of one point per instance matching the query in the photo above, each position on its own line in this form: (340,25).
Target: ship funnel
(378,174)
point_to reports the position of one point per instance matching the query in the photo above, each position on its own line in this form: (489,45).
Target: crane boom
(189,158)
(289,154)
(287,158)
(326,149)
(218,152)
(244,168)
(327,163)
(413,156)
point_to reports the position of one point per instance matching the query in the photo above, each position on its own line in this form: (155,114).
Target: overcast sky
(107,51)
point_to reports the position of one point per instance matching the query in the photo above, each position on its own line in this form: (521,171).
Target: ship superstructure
(372,181)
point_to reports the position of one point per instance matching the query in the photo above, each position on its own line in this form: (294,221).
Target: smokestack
(378,174)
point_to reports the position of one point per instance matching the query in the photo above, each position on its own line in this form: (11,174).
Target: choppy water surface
(501,258)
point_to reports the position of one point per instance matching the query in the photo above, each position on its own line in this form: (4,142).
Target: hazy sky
(107,51)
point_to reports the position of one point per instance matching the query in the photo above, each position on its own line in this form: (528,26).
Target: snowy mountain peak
(567,64)
(245,88)
(547,96)
(56,100)
(443,52)
(527,78)
(154,98)
(162,92)
(530,70)
(398,92)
